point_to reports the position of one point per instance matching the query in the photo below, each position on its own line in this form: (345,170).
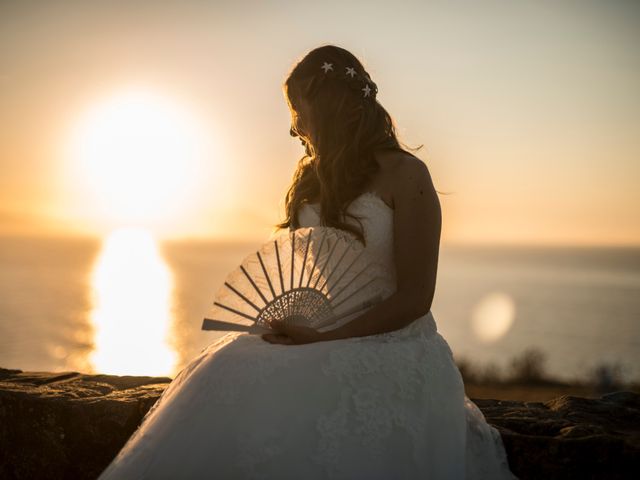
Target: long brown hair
(347,128)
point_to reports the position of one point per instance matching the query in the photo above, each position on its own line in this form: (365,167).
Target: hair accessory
(369,90)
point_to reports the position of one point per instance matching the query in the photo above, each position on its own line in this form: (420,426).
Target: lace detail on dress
(255,448)
(332,428)
(382,383)
(243,367)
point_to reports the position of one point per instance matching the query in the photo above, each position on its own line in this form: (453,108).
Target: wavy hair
(346,128)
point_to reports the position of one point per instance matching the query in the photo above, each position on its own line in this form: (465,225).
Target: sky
(528,113)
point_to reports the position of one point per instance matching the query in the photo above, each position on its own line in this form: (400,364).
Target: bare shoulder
(411,173)
(404,176)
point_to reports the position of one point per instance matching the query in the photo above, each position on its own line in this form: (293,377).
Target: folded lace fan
(316,276)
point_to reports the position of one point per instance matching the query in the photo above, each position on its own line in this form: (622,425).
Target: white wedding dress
(388,406)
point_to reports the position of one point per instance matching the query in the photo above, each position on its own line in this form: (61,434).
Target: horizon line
(255,239)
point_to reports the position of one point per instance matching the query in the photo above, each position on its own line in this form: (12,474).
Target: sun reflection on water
(132,287)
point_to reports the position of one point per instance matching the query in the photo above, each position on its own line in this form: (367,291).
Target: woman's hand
(291,334)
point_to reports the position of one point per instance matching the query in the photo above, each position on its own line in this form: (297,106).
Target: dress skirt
(388,406)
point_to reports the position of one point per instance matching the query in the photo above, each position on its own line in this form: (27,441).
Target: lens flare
(493,316)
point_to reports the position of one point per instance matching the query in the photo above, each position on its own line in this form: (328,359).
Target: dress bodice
(377,222)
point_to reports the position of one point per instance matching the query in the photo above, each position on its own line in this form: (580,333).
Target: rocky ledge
(70,425)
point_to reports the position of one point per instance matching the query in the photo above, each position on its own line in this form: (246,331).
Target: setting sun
(139,156)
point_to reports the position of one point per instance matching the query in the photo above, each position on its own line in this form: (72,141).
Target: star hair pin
(326,66)
(350,71)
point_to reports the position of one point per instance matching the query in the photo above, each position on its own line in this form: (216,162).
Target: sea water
(579,306)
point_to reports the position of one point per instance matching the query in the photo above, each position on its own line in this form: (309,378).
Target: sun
(140,155)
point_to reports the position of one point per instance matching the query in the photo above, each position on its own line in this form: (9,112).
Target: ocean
(128,305)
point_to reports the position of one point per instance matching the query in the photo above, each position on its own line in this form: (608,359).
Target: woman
(379,397)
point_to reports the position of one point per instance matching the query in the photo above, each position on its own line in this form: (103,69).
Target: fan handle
(220,325)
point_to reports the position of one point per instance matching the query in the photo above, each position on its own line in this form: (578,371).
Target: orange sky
(528,112)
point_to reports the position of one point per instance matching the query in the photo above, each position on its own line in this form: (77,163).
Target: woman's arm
(417,227)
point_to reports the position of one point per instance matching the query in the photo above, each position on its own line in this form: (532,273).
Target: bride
(379,397)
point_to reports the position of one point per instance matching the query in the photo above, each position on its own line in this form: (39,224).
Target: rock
(70,426)
(570,437)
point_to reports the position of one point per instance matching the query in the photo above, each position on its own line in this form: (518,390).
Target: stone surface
(70,425)
(570,437)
